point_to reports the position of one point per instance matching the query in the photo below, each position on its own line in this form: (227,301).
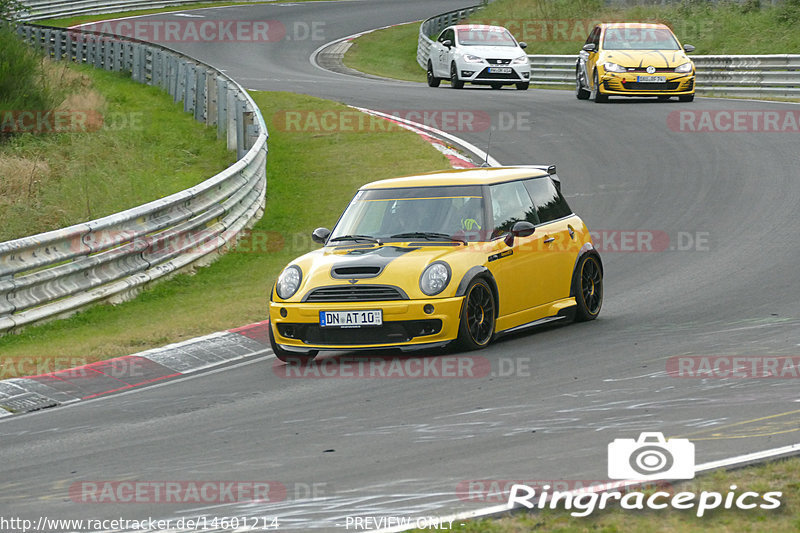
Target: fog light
(283,312)
(428,309)
(467,73)
(526,74)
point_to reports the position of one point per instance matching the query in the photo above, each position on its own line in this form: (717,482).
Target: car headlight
(521,60)
(684,68)
(473,59)
(613,67)
(288,282)
(435,278)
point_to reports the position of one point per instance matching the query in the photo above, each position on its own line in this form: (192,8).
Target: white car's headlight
(472,59)
(613,67)
(684,68)
(521,60)
(435,278)
(288,282)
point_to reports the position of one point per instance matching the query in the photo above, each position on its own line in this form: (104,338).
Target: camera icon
(651,457)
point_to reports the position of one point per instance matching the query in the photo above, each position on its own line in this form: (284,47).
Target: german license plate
(499,70)
(651,79)
(350,319)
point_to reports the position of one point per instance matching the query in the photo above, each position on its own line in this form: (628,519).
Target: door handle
(549,240)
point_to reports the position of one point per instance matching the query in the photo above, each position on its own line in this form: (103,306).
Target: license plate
(651,79)
(350,319)
(500,70)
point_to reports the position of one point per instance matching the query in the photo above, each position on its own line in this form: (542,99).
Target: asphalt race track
(719,207)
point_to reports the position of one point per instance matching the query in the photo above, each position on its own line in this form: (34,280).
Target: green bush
(23,85)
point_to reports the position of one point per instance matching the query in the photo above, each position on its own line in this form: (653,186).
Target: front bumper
(480,74)
(405,325)
(626,84)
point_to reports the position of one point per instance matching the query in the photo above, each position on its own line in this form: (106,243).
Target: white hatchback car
(478,54)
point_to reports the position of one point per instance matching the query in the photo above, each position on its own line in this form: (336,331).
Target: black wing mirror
(523,228)
(523,45)
(591,47)
(320,235)
(448,43)
(688,48)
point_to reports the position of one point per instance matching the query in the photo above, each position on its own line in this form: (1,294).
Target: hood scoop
(353,272)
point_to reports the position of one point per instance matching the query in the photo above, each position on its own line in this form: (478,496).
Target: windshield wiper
(356,238)
(428,235)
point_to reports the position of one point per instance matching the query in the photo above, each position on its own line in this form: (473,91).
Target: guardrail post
(241,128)
(232,124)
(211,99)
(180,80)
(222,106)
(200,94)
(136,66)
(59,44)
(189,85)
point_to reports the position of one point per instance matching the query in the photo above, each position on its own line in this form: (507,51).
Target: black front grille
(498,61)
(637,86)
(387,333)
(355,293)
(486,75)
(644,69)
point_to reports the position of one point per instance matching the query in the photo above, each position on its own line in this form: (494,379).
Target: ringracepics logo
(650,457)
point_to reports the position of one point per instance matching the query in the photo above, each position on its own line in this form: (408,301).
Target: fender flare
(474,272)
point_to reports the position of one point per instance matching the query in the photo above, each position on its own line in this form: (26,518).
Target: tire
(580,92)
(433,81)
(588,288)
(686,97)
(598,97)
(287,356)
(478,315)
(455,83)
(497,85)
(523,86)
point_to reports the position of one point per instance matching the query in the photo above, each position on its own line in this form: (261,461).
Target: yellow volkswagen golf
(634,59)
(422,261)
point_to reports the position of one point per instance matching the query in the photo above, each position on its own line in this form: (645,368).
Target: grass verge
(782,476)
(311,177)
(131,145)
(561,27)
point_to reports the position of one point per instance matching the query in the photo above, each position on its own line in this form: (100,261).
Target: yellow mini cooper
(422,261)
(633,59)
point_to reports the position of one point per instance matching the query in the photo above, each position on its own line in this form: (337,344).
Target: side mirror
(688,48)
(591,47)
(523,45)
(448,43)
(523,228)
(320,235)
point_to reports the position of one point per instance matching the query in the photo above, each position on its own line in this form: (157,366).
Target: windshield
(405,214)
(485,37)
(639,39)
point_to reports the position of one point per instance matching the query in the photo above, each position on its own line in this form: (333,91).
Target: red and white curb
(32,393)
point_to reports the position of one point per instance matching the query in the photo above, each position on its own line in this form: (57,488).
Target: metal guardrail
(758,76)
(44,9)
(55,273)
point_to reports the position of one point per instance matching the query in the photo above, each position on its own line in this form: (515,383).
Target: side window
(550,205)
(451,34)
(590,38)
(510,204)
(443,36)
(596,39)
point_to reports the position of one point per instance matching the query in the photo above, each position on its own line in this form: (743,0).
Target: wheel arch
(587,250)
(482,272)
